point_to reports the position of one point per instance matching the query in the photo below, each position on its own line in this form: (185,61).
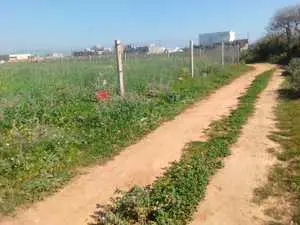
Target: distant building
(107,50)
(20,57)
(96,50)
(174,50)
(136,49)
(56,55)
(154,50)
(217,37)
(242,43)
(150,49)
(85,52)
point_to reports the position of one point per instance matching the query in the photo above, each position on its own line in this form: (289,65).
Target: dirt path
(138,164)
(230,192)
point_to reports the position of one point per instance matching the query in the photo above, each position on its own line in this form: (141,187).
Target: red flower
(102,95)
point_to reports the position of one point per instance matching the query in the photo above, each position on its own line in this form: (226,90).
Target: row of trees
(282,41)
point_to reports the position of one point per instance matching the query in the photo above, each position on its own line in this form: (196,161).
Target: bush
(271,48)
(294,73)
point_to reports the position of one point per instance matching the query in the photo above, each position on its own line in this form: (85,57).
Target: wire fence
(134,66)
(177,51)
(204,53)
(159,61)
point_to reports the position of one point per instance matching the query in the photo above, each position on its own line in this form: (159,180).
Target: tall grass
(51,123)
(173,197)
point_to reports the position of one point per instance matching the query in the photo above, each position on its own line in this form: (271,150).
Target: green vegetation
(282,45)
(271,48)
(51,122)
(172,198)
(294,74)
(282,42)
(284,179)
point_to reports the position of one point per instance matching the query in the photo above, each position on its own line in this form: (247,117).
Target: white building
(217,37)
(57,55)
(107,50)
(153,49)
(20,57)
(174,50)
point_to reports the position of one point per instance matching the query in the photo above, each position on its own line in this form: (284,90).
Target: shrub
(272,48)
(294,73)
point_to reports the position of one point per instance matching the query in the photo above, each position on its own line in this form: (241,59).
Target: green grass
(284,178)
(173,197)
(51,123)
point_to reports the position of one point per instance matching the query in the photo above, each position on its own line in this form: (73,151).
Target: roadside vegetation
(51,121)
(281,194)
(173,197)
(282,42)
(293,75)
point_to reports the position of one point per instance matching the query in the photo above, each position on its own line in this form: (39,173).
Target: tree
(286,21)
(271,48)
(282,42)
(293,70)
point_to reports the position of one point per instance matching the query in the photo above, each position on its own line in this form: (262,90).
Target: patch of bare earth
(138,164)
(229,198)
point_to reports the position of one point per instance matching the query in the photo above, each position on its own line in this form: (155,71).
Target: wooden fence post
(223,49)
(238,53)
(200,50)
(119,52)
(192,57)
(125,56)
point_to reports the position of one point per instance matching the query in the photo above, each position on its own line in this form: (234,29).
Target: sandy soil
(138,164)
(230,192)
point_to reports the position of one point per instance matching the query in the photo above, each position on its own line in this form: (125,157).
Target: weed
(173,197)
(284,178)
(51,121)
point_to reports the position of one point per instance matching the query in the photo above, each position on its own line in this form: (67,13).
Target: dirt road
(138,164)
(230,192)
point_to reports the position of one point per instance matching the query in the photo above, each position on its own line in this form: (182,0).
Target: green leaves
(294,73)
(173,198)
(50,122)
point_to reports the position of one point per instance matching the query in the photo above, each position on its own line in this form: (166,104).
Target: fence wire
(158,63)
(147,65)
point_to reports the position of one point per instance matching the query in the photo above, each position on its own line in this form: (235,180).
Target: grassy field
(51,122)
(173,197)
(284,179)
